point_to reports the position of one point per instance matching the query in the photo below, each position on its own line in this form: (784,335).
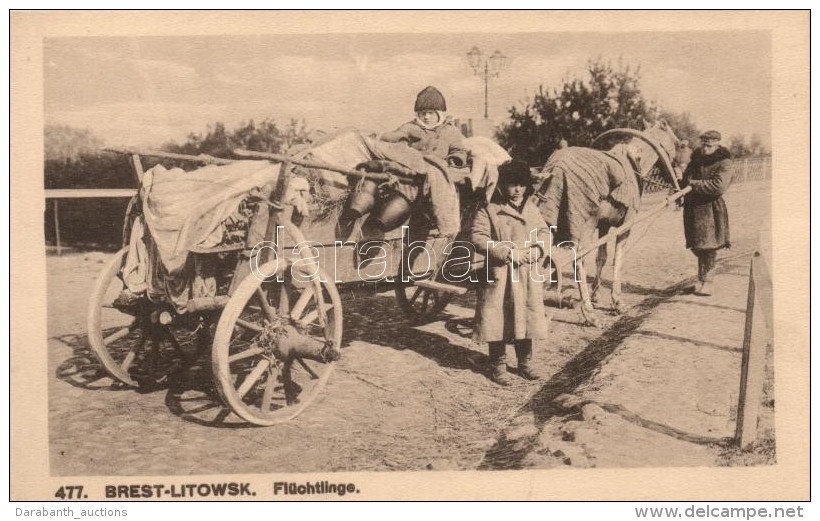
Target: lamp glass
(497,62)
(475,58)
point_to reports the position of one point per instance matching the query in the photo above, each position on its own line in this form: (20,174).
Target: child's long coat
(510,309)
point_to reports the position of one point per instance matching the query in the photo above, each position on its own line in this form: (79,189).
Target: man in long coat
(705,218)
(513,237)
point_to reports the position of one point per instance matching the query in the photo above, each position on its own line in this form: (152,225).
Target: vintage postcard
(479,255)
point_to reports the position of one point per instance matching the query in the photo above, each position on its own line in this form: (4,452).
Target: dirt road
(650,387)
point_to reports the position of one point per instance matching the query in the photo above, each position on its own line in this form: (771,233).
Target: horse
(587,190)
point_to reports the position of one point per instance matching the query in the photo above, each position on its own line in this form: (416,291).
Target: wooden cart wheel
(421,303)
(127,338)
(259,382)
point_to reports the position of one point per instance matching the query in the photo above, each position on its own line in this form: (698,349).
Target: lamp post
(488,67)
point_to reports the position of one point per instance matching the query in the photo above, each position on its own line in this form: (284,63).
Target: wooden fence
(745,169)
(752,169)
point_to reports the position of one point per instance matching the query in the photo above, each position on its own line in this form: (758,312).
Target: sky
(147,90)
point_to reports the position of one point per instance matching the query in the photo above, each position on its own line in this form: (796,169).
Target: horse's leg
(587,311)
(600,262)
(618,262)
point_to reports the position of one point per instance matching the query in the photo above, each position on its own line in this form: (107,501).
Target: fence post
(136,168)
(753,362)
(57,226)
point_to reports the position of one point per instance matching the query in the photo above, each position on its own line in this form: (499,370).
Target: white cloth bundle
(487,156)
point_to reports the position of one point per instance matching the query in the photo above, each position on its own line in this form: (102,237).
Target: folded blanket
(487,156)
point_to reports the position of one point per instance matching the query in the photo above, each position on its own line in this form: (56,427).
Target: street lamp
(489,67)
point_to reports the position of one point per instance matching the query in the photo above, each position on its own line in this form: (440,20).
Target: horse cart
(263,297)
(271,315)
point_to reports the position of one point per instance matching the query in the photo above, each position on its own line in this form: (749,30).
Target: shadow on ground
(508,454)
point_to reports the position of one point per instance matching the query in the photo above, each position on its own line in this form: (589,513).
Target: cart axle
(440,286)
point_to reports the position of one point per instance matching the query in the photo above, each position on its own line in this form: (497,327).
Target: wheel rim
(132,348)
(421,302)
(259,384)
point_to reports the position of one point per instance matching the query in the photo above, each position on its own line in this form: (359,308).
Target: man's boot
(698,283)
(706,263)
(523,351)
(498,364)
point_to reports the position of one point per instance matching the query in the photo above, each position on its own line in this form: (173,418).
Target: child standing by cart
(512,236)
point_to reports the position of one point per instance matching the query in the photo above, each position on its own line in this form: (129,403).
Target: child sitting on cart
(432,131)
(512,236)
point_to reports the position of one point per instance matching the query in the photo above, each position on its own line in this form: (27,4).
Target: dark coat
(705,218)
(509,309)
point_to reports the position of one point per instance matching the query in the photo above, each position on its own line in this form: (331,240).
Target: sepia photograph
(385,255)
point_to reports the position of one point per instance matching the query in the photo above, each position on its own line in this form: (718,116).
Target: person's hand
(504,254)
(530,256)
(414,133)
(373,165)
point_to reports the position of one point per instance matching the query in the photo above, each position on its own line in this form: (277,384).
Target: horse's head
(657,144)
(662,134)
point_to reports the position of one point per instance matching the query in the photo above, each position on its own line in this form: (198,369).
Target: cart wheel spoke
(312,318)
(256,328)
(425,301)
(253,377)
(262,296)
(299,307)
(121,333)
(307,368)
(253,351)
(267,397)
(132,355)
(416,293)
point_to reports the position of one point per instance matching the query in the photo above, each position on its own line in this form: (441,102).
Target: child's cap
(514,172)
(430,99)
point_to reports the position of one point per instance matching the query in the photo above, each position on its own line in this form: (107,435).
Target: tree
(73,159)
(263,137)
(577,111)
(756,146)
(62,142)
(740,148)
(737,146)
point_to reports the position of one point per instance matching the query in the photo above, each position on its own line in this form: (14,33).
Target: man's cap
(711,135)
